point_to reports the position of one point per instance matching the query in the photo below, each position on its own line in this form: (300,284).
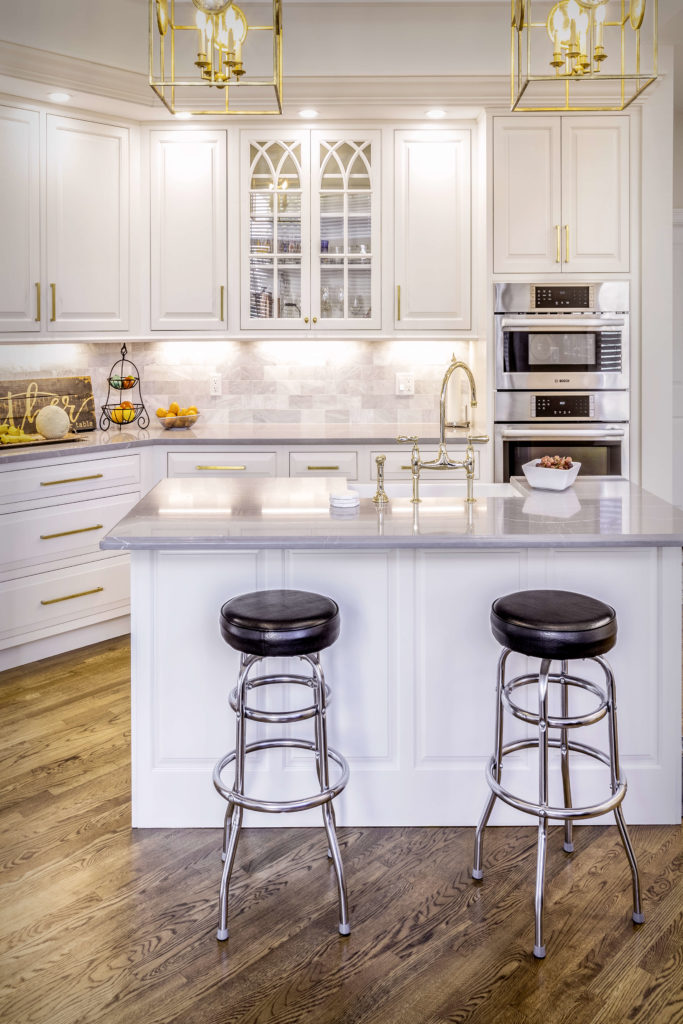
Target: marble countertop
(234,434)
(203,514)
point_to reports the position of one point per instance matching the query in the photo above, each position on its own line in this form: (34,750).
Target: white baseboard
(48,646)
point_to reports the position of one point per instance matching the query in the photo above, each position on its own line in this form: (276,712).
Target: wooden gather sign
(22,400)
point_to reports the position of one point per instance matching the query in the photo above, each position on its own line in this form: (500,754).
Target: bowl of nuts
(551,472)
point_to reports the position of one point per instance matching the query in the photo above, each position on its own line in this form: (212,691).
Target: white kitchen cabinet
(188,226)
(322,462)
(53,577)
(20,218)
(561,194)
(222,463)
(87,225)
(433,225)
(311,231)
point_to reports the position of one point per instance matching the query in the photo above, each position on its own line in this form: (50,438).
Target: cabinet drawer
(44,535)
(65,597)
(324,464)
(397,466)
(72,477)
(222,464)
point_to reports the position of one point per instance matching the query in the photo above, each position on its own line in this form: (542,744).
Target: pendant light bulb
(212,7)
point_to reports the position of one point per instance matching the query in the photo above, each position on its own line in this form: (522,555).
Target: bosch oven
(562,374)
(569,337)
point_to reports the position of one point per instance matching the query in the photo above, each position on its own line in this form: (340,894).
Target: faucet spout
(455,364)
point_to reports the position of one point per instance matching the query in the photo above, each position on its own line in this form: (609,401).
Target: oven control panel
(562,296)
(558,406)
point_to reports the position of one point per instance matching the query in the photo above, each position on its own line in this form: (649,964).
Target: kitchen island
(413,672)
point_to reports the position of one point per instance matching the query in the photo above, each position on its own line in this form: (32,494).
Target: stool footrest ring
(560,813)
(280,717)
(281,806)
(555,722)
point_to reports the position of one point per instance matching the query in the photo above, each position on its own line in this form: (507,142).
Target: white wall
(678,359)
(678,161)
(657,285)
(330,38)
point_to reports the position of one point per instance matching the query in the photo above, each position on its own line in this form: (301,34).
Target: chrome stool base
(605,707)
(238,800)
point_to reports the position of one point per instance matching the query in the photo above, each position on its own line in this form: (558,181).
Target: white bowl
(550,479)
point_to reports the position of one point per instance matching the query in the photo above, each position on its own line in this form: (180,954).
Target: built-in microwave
(564,337)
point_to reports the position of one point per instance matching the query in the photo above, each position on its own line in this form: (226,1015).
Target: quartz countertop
(203,514)
(233,434)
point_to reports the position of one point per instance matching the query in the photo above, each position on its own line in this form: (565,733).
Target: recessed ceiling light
(436,113)
(183,115)
(308,112)
(59,97)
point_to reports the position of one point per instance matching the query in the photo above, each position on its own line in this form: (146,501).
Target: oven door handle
(564,325)
(509,434)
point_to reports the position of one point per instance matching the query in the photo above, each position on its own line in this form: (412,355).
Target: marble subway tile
(264,381)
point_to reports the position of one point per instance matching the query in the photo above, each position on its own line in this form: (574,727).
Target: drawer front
(44,535)
(324,464)
(236,464)
(73,477)
(66,598)
(397,466)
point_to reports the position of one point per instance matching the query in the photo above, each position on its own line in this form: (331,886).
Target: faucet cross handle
(404,439)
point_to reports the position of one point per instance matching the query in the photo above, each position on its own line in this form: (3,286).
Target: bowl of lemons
(175,416)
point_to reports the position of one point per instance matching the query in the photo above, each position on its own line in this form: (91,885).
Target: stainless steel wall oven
(562,375)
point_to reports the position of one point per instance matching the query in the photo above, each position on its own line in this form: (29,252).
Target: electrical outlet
(215,384)
(405,384)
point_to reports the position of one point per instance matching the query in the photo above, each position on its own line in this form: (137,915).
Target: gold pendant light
(581,54)
(206,58)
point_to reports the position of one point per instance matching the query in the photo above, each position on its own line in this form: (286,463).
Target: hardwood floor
(100,923)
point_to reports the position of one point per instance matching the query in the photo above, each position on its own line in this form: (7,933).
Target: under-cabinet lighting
(183,115)
(436,114)
(59,97)
(308,112)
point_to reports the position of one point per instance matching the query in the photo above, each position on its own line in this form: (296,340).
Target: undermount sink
(431,489)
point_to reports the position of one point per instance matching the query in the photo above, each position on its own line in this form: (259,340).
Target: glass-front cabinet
(312,231)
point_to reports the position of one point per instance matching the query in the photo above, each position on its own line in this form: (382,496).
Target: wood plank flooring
(99,923)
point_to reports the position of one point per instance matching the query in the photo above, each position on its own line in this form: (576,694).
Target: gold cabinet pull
(221,467)
(37,316)
(71,480)
(305,319)
(70,597)
(53,289)
(68,533)
(315,319)
(398,298)
(406,467)
(558,254)
(323,467)
(222,302)
(566,243)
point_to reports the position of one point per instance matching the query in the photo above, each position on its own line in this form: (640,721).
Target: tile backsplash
(349,381)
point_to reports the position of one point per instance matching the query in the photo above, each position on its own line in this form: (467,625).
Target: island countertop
(204,514)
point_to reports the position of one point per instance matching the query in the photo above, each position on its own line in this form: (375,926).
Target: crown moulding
(373,93)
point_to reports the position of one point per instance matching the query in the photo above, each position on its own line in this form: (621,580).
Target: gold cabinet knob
(305,319)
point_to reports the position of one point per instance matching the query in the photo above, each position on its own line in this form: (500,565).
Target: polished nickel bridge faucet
(443,461)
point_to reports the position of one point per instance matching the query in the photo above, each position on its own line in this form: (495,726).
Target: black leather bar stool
(268,624)
(555,625)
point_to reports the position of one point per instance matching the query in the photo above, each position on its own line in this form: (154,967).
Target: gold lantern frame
(566,85)
(163,70)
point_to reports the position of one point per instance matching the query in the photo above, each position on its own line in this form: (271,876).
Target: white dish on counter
(550,479)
